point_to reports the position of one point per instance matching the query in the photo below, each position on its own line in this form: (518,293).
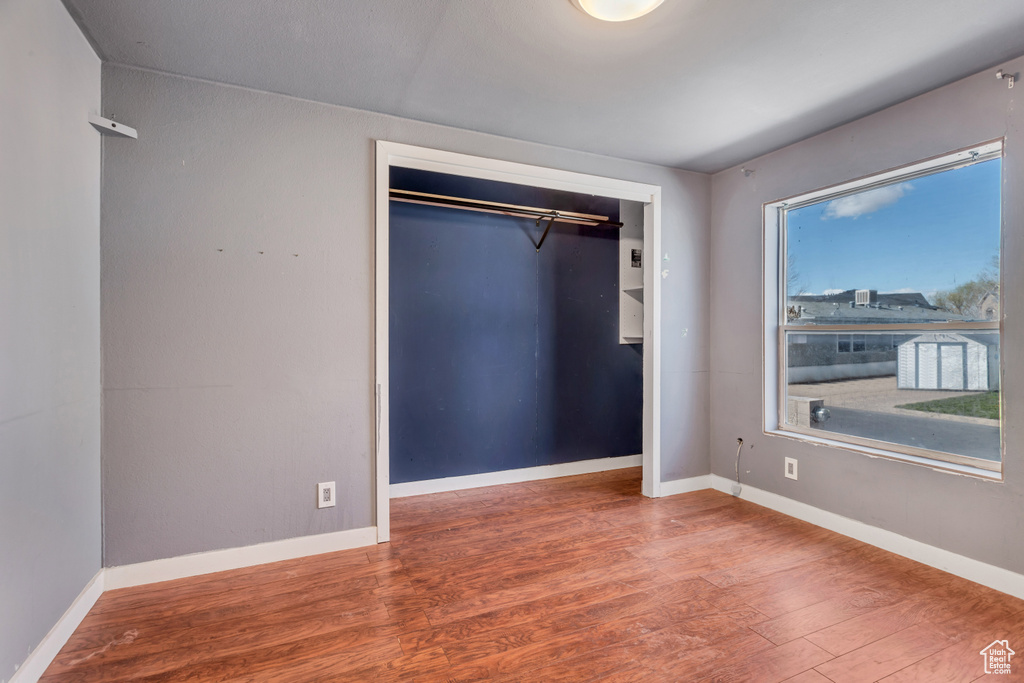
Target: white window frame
(775,325)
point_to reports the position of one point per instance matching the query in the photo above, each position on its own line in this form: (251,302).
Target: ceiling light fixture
(616,10)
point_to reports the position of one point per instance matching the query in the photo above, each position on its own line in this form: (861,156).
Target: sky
(925,235)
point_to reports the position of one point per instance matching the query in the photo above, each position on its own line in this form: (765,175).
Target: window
(849,343)
(881,304)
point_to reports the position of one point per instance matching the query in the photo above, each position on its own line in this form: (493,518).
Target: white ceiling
(697,84)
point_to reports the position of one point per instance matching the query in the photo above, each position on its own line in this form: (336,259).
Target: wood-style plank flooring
(571,579)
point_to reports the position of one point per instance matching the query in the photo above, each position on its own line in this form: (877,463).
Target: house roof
(890,299)
(834,313)
(839,308)
(697,84)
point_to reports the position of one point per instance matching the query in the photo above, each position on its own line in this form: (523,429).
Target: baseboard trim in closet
(472,481)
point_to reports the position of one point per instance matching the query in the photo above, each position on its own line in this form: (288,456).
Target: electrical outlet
(791,468)
(325,494)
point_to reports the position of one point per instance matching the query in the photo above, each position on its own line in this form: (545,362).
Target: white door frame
(408,156)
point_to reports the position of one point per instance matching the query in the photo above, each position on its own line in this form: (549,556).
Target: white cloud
(829,292)
(863,203)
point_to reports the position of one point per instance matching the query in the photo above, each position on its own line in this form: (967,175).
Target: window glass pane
(931,390)
(917,251)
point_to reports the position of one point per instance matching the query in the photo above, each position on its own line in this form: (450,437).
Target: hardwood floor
(572,579)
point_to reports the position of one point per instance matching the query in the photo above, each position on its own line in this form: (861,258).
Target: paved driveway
(973,440)
(880,395)
(867,408)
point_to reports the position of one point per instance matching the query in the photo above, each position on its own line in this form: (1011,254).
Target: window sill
(931,463)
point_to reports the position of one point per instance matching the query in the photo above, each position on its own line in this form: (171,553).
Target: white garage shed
(949,361)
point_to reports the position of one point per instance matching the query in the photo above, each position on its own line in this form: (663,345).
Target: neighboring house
(988,307)
(824,357)
(950,361)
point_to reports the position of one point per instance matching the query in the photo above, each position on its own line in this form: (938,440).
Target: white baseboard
(472,481)
(677,486)
(1000,579)
(37,662)
(235,558)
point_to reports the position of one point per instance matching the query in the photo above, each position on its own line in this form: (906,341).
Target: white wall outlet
(791,468)
(325,494)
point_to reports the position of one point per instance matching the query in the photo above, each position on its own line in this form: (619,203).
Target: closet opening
(511,342)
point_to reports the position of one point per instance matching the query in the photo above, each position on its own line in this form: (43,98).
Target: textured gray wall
(234,380)
(979,519)
(49,322)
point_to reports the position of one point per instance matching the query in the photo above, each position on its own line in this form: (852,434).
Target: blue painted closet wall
(502,357)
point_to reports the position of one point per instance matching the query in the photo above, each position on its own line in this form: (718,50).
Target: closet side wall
(590,387)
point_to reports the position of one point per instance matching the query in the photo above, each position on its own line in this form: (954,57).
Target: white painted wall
(49,322)
(235,380)
(979,519)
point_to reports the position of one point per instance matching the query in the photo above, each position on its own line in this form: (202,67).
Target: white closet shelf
(635,292)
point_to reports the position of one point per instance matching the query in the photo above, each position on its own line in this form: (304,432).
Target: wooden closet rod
(507,209)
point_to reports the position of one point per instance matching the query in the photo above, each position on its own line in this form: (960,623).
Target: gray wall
(234,380)
(965,515)
(49,322)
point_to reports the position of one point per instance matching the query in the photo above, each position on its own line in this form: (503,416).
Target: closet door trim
(390,154)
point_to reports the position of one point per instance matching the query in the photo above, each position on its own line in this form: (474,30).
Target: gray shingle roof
(835,313)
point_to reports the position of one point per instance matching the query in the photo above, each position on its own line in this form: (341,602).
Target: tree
(968,298)
(793,285)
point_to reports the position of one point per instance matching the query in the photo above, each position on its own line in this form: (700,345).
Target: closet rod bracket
(551,221)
